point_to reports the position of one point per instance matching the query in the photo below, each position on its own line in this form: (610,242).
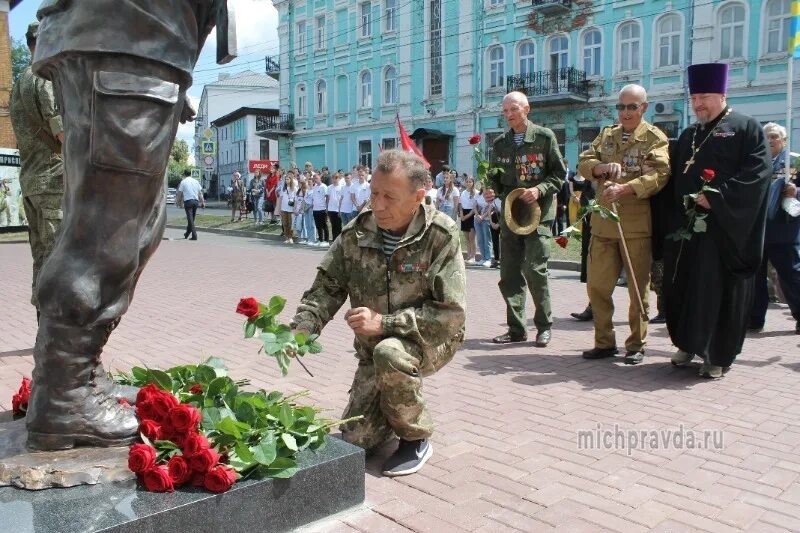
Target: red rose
(220,478)
(562,241)
(162,405)
(141,457)
(16,405)
(150,429)
(179,470)
(198,479)
(248,307)
(204,460)
(146,393)
(475,139)
(25,391)
(194,444)
(145,410)
(708,174)
(196,389)
(157,479)
(184,417)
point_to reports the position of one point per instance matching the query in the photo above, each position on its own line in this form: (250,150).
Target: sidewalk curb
(554,265)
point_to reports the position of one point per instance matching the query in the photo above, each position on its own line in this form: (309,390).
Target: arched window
(319,103)
(527,57)
(365,92)
(559,52)
(592,50)
(630,45)
(302,101)
(497,66)
(669,40)
(776,21)
(390,86)
(731,31)
(341,94)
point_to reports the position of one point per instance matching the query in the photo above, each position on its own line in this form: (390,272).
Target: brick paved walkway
(506,450)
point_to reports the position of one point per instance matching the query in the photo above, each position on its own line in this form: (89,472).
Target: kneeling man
(400,264)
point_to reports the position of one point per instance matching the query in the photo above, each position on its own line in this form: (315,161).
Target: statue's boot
(71,403)
(119,391)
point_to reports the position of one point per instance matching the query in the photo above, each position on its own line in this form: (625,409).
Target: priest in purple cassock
(709,278)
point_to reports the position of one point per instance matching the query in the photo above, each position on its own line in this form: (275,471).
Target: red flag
(408,144)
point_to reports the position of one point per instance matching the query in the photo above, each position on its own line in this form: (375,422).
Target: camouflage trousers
(387,392)
(43,212)
(657,281)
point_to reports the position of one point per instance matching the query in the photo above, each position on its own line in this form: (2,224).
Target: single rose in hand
(204,460)
(220,478)
(708,175)
(248,307)
(475,139)
(150,429)
(179,470)
(141,457)
(562,241)
(157,479)
(184,418)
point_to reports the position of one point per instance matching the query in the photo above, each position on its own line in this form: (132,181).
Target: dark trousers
(321,222)
(336,224)
(786,260)
(190,206)
(586,236)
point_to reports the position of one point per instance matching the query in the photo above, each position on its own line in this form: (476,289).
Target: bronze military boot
(70,403)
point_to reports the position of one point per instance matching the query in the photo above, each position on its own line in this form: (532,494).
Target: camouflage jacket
(536,163)
(34,117)
(420,289)
(646,147)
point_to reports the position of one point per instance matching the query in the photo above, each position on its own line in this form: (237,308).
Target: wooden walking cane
(630,265)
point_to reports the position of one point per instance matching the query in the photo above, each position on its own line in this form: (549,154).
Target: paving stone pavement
(507,454)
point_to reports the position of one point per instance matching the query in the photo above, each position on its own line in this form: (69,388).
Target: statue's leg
(120,117)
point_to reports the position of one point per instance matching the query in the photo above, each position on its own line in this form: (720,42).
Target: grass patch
(16,236)
(571,253)
(224,223)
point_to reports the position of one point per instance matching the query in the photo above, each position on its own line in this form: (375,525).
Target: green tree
(178,162)
(20,57)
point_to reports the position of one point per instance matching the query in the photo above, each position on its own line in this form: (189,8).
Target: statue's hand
(188,112)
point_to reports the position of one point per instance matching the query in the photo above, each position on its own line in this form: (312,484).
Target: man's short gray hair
(393,160)
(636,90)
(771,126)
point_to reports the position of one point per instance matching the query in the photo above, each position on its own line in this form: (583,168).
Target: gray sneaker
(682,358)
(409,457)
(710,371)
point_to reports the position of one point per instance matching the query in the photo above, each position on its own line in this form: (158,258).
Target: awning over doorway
(421,134)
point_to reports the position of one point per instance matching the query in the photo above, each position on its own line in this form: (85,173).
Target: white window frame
(394,141)
(731,26)
(595,52)
(495,4)
(528,60)
(562,53)
(496,67)
(359,153)
(364,20)
(320,97)
(626,48)
(301,100)
(390,96)
(784,22)
(319,32)
(390,15)
(365,90)
(675,35)
(300,37)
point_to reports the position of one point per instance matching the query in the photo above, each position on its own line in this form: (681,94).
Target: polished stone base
(330,480)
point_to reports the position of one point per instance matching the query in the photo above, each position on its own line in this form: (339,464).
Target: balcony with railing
(271,126)
(552,7)
(273,67)
(558,86)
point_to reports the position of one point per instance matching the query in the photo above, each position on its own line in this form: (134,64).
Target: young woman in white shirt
(287,194)
(447,198)
(466,206)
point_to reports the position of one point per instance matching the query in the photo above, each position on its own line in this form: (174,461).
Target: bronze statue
(120,70)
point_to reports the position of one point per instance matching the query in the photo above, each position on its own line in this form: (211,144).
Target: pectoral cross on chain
(689,163)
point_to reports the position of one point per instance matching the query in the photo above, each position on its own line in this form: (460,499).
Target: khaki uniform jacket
(536,163)
(647,146)
(420,290)
(37,122)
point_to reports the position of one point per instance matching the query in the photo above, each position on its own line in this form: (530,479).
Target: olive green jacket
(420,290)
(646,147)
(536,163)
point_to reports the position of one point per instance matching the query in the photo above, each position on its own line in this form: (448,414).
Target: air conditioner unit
(664,108)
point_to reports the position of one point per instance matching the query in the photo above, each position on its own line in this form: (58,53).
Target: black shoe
(755,329)
(658,319)
(409,457)
(543,338)
(508,338)
(186,235)
(600,353)
(193,238)
(797,328)
(585,315)
(634,357)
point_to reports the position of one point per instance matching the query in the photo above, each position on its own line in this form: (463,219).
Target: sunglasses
(629,107)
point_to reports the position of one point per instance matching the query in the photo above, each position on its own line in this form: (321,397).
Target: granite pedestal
(329,481)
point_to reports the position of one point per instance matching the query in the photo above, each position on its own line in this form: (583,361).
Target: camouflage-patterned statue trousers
(43,212)
(387,392)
